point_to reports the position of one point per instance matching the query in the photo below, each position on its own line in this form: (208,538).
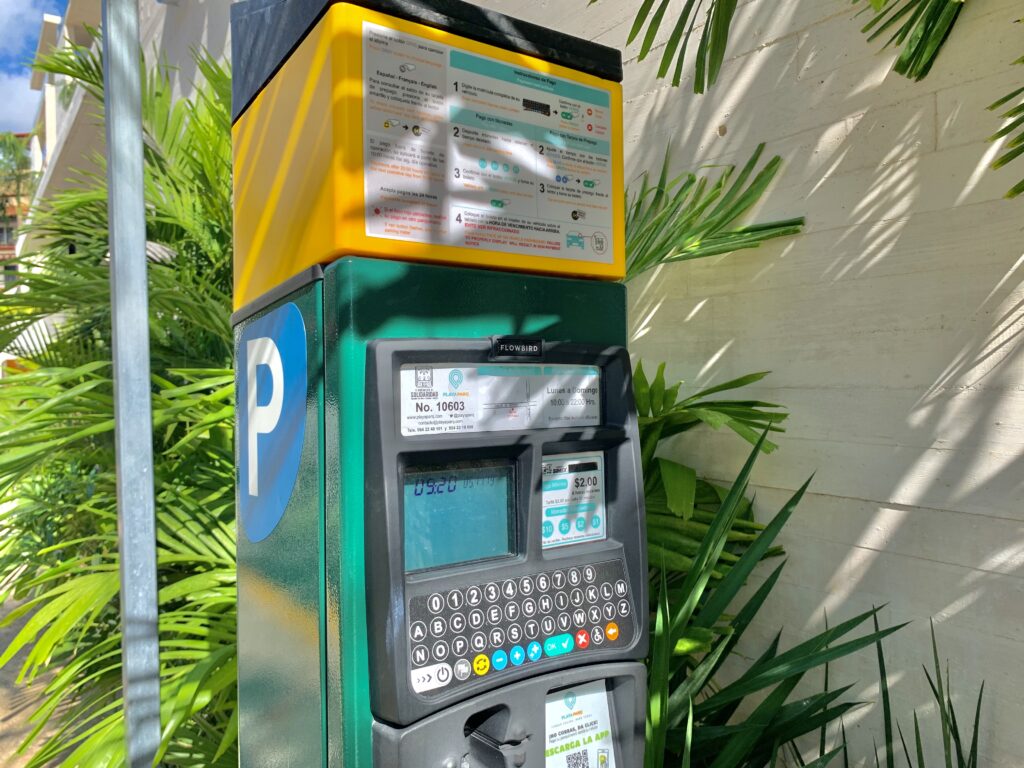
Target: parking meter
(441,547)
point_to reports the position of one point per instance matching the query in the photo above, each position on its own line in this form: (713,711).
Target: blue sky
(20,22)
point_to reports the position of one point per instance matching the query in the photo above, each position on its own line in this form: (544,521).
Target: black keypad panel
(479,630)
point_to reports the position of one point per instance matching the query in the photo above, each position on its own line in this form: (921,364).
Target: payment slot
(504,540)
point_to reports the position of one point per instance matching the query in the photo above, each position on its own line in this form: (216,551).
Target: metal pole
(132,406)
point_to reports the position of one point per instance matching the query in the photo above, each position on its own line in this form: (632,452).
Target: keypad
(460,635)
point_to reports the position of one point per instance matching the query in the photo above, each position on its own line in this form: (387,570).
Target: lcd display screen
(457,513)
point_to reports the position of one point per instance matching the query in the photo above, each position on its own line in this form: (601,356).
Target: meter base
(507,728)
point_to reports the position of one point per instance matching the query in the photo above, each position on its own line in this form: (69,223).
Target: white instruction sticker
(579,728)
(573,499)
(491,398)
(467,150)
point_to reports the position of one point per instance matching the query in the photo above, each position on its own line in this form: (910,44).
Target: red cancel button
(582,639)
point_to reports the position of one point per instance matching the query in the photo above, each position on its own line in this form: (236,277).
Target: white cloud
(21,21)
(19,102)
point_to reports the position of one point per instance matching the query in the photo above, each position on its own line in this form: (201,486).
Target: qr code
(579,759)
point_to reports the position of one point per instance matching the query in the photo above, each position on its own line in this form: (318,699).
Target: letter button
(624,608)
(417,631)
(457,622)
(438,626)
(620,588)
(512,611)
(494,614)
(606,591)
(592,594)
(440,650)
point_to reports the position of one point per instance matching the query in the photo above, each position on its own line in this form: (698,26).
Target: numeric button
(492,593)
(575,578)
(435,603)
(474,596)
(590,574)
(558,579)
(455,599)
(509,589)
(543,582)
(526,586)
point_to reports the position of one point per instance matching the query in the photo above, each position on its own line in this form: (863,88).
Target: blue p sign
(271,408)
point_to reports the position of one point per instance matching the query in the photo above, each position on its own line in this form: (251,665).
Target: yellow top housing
(382,137)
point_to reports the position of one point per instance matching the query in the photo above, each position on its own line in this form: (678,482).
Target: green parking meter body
(441,550)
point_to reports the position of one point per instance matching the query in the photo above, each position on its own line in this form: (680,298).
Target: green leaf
(680,487)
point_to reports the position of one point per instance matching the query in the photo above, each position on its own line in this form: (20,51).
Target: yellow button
(481,664)
(612,631)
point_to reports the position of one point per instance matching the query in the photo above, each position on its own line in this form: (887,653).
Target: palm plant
(58,527)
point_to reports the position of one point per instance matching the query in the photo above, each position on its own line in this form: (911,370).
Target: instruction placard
(490,398)
(470,151)
(578,728)
(573,499)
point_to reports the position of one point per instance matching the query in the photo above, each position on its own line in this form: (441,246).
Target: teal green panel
(281,592)
(367,299)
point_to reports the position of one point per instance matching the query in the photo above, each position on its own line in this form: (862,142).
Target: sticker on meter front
(494,398)
(573,499)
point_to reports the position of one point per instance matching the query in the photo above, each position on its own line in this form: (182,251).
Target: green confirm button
(559,645)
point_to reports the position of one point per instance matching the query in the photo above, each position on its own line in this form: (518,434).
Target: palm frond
(717,20)
(1015,127)
(918,27)
(692,216)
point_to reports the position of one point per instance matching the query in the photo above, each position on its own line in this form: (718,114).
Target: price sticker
(573,499)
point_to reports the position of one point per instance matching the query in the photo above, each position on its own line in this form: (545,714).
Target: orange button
(612,631)
(481,665)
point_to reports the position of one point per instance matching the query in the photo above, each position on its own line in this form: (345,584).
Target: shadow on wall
(894,329)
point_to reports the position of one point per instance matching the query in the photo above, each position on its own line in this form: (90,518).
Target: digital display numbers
(458,513)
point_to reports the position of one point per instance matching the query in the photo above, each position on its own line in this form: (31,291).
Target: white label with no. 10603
(490,398)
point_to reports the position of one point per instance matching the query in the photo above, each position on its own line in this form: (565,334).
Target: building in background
(68,135)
